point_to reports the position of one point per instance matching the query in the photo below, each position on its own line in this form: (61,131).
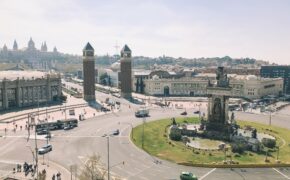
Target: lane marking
(281,173)
(208,173)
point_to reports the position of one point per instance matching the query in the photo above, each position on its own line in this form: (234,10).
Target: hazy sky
(180,28)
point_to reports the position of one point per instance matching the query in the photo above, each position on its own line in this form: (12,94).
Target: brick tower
(126,72)
(89,73)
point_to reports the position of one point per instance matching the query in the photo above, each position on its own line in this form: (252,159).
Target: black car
(196,112)
(117,132)
(184,113)
(104,109)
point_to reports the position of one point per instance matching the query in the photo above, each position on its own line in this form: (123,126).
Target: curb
(236,165)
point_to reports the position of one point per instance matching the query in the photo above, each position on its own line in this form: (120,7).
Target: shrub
(175,135)
(237,155)
(269,143)
(238,148)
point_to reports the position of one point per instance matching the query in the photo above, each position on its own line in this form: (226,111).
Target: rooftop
(13,75)
(88,47)
(126,49)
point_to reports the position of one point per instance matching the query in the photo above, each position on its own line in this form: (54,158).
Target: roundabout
(72,147)
(197,151)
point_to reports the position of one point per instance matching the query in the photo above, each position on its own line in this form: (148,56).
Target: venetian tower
(89,73)
(126,72)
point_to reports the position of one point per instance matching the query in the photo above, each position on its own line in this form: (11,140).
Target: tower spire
(15,46)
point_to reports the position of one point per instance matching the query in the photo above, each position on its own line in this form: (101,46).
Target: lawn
(157,144)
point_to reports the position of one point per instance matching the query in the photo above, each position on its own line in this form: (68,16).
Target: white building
(168,84)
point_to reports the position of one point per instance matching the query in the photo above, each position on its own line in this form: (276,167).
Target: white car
(45,149)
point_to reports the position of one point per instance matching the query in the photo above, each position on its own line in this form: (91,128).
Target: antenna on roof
(117,51)
(117,48)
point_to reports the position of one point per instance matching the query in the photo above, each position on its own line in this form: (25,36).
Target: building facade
(278,71)
(126,72)
(89,73)
(247,86)
(40,59)
(28,88)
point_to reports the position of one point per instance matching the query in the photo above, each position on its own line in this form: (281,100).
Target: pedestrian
(20,127)
(53,177)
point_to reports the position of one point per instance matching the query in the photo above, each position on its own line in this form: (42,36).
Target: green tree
(175,134)
(104,79)
(269,143)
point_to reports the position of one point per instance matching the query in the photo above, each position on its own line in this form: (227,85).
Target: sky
(179,28)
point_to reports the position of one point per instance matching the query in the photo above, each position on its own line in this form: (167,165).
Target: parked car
(116,132)
(116,95)
(142,112)
(196,112)
(45,149)
(42,132)
(104,109)
(184,113)
(188,176)
(68,127)
(48,136)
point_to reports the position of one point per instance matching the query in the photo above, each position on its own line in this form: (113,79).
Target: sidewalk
(51,169)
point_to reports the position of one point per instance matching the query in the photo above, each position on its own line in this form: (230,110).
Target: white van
(142,113)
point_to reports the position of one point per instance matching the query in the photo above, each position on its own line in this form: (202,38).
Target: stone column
(48,89)
(5,98)
(209,104)
(33,95)
(28,95)
(59,88)
(23,96)
(18,103)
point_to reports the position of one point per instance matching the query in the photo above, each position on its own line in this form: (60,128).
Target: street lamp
(108,151)
(108,146)
(33,158)
(36,149)
(144,119)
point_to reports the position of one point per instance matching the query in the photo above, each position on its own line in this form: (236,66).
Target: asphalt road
(72,148)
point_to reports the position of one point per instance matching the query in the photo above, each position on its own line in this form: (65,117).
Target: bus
(59,124)
(71,121)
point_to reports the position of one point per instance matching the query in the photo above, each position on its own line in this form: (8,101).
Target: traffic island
(154,138)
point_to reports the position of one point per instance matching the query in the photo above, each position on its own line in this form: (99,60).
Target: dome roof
(252,77)
(116,66)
